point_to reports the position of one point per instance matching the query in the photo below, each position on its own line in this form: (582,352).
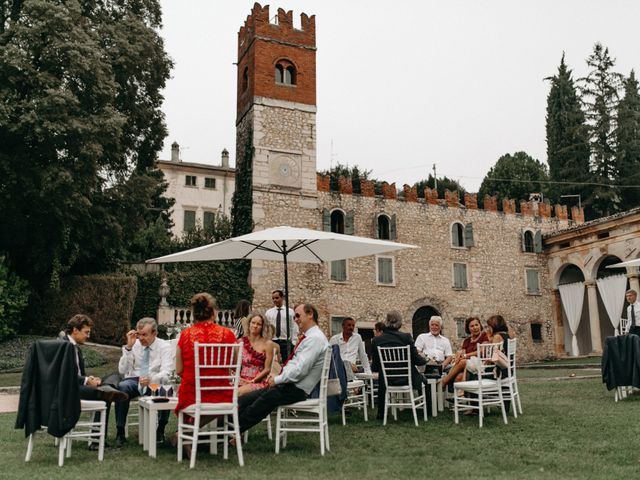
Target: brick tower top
(276,60)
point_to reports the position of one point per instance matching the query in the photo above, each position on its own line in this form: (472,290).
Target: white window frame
(463,246)
(393,271)
(346,280)
(344,219)
(453,275)
(526,281)
(533,241)
(388,226)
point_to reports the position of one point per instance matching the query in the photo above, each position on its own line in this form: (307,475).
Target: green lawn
(570,429)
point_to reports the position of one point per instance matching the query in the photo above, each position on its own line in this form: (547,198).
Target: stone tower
(276,127)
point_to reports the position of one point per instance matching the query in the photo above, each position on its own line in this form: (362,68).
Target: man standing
(277,316)
(299,375)
(351,348)
(433,346)
(633,312)
(145,357)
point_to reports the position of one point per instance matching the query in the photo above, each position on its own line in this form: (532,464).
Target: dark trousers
(634,329)
(285,348)
(130,387)
(256,405)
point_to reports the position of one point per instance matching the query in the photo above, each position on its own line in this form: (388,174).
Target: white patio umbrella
(629,263)
(286,244)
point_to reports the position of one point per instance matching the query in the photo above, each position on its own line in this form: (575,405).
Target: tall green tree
(567,138)
(599,91)
(442,184)
(515,176)
(628,143)
(80,128)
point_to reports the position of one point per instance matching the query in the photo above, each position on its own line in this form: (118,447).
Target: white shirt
(272,315)
(434,347)
(305,368)
(161,360)
(352,349)
(636,310)
(75,344)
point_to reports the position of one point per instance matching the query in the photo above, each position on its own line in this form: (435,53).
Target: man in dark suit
(393,337)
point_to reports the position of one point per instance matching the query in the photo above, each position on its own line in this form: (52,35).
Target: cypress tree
(600,98)
(628,143)
(567,137)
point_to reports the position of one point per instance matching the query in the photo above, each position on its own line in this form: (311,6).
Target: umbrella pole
(286,290)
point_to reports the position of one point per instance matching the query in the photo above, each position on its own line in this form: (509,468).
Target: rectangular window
(189,220)
(536,332)
(190,180)
(208,219)
(336,324)
(460,276)
(339,270)
(460,327)
(209,182)
(385,270)
(533,281)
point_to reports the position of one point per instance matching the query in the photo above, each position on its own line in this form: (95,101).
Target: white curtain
(572,295)
(612,290)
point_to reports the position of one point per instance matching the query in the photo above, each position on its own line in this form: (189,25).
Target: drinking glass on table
(154,385)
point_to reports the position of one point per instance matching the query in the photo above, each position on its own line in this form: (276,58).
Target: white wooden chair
(356,398)
(623,392)
(486,390)
(510,391)
(310,415)
(220,363)
(396,370)
(86,429)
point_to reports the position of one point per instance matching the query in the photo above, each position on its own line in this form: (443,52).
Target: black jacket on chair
(395,338)
(49,393)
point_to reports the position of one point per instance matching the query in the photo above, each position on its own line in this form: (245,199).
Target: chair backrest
(485,352)
(217,368)
(396,365)
(324,378)
(512,345)
(624,326)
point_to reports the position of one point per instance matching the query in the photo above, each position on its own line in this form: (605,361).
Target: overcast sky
(401,85)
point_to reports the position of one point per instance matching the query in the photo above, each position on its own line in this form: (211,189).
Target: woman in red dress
(204,330)
(473,328)
(257,355)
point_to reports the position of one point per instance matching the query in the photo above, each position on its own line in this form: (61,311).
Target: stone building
(471,261)
(200,190)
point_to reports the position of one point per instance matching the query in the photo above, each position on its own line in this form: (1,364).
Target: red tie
(294,351)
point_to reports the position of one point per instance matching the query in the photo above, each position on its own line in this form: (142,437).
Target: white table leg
(145,428)
(140,424)
(440,398)
(434,400)
(151,430)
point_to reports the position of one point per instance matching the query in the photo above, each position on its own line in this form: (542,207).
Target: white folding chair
(87,429)
(310,415)
(397,370)
(356,398)
(485,391)
(218,364)
(510,390)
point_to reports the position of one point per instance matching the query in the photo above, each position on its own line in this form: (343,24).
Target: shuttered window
(339,270)
(385,271)
(460,276)
(533,281)
(189,220)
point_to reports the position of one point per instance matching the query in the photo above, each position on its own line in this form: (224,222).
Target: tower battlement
(258,24)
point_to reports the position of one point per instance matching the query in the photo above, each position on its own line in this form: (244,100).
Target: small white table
(368,379)
(148,418)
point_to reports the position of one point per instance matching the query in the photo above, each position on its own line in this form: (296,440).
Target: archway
(420,322)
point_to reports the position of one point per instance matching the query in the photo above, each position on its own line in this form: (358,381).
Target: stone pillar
(558,324)
(634,284)
(594,318)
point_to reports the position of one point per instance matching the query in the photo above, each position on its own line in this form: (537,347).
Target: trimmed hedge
(107,299)
(225,280)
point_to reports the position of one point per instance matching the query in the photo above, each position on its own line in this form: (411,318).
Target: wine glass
(154,385)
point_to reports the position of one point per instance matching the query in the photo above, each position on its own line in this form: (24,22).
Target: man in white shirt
(145,359)
(299,375)
(633,312)
(277,316)
(351,348)
(433,346)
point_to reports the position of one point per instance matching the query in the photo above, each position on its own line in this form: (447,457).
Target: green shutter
(468,235)
(326,220)
(537,242)
(348,223)
(393,230)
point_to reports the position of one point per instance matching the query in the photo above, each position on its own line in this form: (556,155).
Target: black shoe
(94,446)
(120,440)
(160,437)
(110,394)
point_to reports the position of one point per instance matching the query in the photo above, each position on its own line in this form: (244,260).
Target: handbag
(473,364)
(334,387)
(499,358)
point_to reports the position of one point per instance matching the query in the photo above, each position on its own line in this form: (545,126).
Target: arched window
(527,242)
(457,235)
(285,73)
(383,227)
(245,79)
(337,221)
